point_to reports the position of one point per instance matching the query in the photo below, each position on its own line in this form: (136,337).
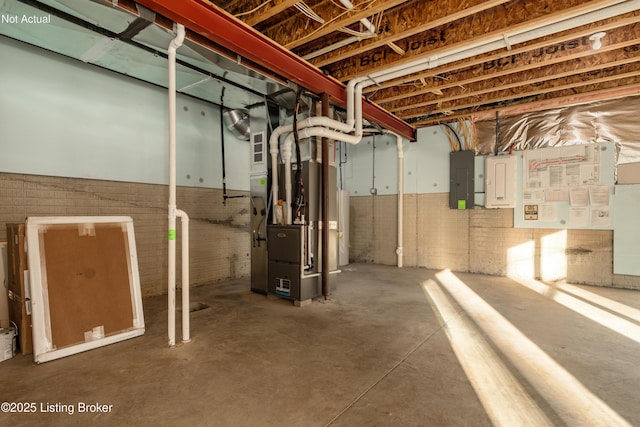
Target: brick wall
(373,229)
(442,234)
(220,241)
(479,241)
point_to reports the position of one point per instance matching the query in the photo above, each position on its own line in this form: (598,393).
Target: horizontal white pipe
(308,133)
(324,133)
(332,47)
(352,111)
(326,122)
(355,86)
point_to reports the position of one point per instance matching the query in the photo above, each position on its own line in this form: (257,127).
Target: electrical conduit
(174,212)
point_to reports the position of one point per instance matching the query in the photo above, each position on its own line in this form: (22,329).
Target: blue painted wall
(62,117)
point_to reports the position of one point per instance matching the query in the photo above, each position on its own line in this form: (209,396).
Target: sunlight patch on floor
(584,308)
(569,398)
(504,399)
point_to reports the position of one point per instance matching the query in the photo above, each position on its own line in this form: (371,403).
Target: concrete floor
(407,347)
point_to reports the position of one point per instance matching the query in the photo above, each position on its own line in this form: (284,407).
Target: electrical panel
(500,181)
(461,182)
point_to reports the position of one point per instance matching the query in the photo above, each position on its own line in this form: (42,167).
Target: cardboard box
(4,301)
(18,286)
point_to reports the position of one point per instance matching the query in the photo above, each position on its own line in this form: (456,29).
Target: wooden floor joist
(404,21)
(299,29)
(484,26)
(615,89)
(528,68)
(575,82)
(393,90)
(492,87)
(560,65)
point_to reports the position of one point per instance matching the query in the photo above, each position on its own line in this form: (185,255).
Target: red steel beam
(215,24)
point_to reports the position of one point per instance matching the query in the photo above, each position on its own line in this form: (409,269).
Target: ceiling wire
(260,6)
(337,17)
(309,12)
(361,34)
(449,130)
(372,29)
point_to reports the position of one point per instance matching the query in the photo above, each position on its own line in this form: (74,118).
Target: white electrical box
(500,182)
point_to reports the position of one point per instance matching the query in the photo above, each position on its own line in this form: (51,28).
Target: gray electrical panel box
(461,182)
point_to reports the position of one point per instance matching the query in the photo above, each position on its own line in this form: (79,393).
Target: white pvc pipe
(286,154)
(173,46)
(355,86)
(306,123)
(308,133)
(399,253)
(184,219)
(331,48)
(273,150)
(580,18)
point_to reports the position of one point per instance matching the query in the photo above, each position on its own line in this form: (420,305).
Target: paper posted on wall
(579,217)
(600,216)
(599,195)
(579,196)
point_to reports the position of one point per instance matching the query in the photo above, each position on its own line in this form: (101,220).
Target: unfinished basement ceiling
(480,57)
(348,39)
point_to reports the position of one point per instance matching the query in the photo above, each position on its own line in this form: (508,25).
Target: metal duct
(201,17)
(237,121)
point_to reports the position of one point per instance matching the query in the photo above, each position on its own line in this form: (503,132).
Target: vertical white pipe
(317,126)
(184,219)
(400,196)
(303,124)
(173,46)
(286,153)
(273,149)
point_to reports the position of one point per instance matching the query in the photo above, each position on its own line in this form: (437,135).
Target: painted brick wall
(220,240)
(373,229)
(479,241)
(442,234)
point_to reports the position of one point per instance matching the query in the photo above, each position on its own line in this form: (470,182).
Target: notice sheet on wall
(564,187)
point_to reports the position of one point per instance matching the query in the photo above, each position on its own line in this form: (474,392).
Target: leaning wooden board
(84,282)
